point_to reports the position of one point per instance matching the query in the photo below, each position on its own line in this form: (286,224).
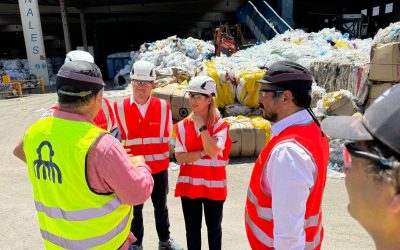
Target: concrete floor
(19,228)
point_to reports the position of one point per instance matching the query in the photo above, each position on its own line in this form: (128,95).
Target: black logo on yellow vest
(49,169)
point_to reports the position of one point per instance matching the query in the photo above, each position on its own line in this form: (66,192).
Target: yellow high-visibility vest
(70,214)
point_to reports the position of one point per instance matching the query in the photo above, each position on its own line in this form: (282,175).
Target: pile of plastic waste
(335,61)
(186,54)
(388,34)
(18,69)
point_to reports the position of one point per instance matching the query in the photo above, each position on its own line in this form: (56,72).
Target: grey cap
(381,121)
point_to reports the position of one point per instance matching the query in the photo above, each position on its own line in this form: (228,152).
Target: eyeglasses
(263,92)
(350,149)
(196,96)
(141,83)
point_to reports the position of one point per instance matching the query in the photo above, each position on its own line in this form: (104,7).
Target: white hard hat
(202,84)
(143,71)
(81,55)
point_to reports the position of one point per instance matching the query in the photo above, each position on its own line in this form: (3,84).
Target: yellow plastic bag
(341,44)
(248,87)
(224,96)
(332,97)
(261,123)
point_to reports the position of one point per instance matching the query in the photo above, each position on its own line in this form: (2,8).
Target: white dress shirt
(289,179)
(143,110)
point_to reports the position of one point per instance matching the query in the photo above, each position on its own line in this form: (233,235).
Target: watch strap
(202,128)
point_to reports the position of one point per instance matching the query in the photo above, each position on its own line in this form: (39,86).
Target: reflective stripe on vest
(79,215)
(269,242)
(86,243)
(209,163)
(218,124)
(263,212)
(266,213)
(156,157)
(121,113)
(163,117)
(107,114)
(201,182)
(316,242)
(181,128)
(258,233)
(144,141)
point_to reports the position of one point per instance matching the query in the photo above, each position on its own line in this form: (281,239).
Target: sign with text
(32,27)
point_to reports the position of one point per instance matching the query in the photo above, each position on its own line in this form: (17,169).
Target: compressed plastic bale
(243,136)
(263,133)
(180,106)
(236,109)
(164,92)
(175,94)
(162,82)
(339,103)
(317,93)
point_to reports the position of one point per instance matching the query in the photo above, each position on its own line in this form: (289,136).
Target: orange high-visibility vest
(206,177)
(105,119)
(258,213)
(147,136)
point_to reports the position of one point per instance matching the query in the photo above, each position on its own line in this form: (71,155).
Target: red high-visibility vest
(258,213)
(206,177)
(147,136)
(105,119)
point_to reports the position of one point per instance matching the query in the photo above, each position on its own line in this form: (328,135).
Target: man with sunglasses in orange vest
(372,166)
(145,125)
(283,206)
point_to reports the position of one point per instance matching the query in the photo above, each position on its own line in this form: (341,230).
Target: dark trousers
(192,212)
(159,199)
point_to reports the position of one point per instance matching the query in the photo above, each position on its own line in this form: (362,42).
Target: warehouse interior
(123,25)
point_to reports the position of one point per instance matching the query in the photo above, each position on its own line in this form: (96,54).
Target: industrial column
(33,36)
(65,26)
(83,29)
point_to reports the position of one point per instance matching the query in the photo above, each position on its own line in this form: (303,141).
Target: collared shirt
(143,110)
(109,169)
(290,173)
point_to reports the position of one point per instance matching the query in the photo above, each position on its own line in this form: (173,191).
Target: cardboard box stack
(384,71)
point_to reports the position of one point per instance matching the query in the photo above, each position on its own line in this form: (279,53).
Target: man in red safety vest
(291,170)
(145,124)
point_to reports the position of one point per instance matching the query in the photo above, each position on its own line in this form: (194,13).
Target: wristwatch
(202,128)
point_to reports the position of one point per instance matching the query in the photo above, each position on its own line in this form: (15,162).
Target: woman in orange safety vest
(202,149)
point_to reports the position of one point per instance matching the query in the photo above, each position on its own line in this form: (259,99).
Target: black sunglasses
(356,152)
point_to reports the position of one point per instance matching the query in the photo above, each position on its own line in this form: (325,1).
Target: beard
(271,116)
